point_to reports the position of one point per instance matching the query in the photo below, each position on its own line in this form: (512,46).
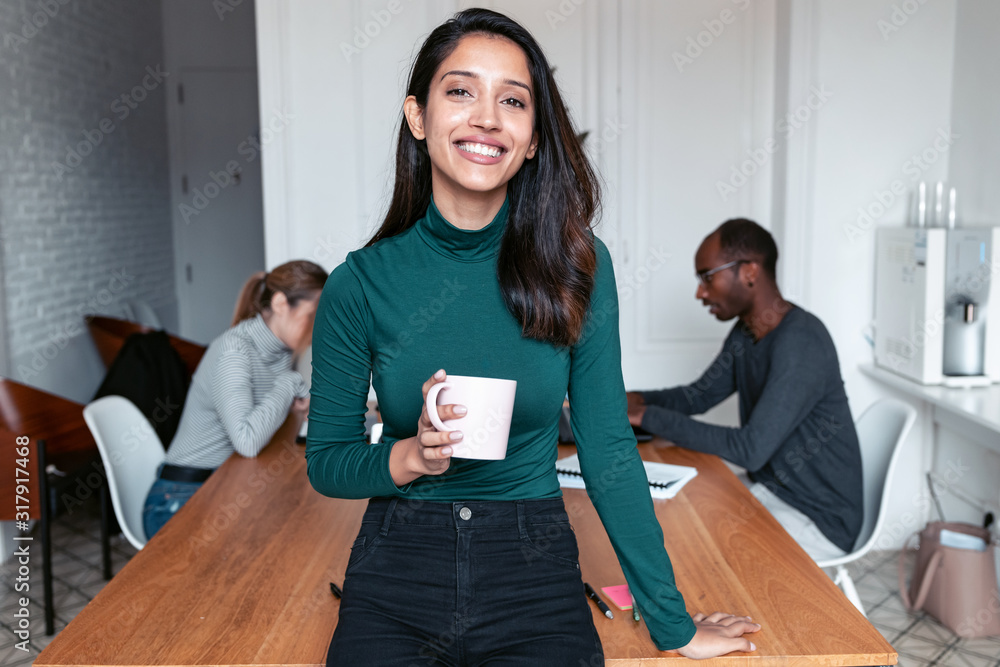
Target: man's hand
(636,407)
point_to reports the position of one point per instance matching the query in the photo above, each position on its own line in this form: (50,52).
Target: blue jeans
(163,501)
(465,583)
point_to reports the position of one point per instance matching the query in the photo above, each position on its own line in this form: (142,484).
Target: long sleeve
(715,385)
(339,460)
(248,426)
(612,469)
(794,387)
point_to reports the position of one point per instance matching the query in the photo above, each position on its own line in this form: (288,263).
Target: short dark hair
(741,238)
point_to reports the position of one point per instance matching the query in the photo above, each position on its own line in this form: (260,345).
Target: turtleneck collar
(263,338)
(461,244)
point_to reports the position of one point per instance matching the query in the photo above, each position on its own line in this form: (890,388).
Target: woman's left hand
(718,634)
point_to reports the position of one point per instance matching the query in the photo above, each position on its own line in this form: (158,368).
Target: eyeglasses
(705,277)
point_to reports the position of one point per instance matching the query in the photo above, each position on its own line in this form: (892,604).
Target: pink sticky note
(619,595)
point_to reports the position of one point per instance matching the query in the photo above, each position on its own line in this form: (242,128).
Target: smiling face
(723,292)
(478,121)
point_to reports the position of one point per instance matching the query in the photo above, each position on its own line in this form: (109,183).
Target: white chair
(144,314)
(882,428)
(131,452)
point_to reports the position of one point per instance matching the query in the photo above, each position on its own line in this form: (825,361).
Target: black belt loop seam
(388,517)
(522,528)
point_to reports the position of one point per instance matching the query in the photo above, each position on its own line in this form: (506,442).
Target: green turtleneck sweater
(429,298)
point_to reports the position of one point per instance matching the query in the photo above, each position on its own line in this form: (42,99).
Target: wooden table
(241,576)
(56,435)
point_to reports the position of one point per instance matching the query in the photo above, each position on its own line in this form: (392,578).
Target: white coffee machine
(933,320)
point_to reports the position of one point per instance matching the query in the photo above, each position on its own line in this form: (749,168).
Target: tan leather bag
(958,587)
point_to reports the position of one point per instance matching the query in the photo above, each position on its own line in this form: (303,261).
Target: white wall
(697,104)
(975,161)
(84,222)
(327,174)
(882,110)
(871,84)
(904,85)
(84,219)
(974,170)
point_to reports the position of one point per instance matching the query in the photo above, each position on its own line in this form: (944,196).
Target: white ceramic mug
(486,425)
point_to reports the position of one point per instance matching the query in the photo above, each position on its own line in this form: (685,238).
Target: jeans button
(465,513)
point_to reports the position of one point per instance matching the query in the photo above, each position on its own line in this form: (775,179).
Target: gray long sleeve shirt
(796,436)
(239,396)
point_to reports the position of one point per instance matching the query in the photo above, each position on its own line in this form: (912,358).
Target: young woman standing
(485,265)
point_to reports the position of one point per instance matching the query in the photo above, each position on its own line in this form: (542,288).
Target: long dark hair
(547,259)
(298,279)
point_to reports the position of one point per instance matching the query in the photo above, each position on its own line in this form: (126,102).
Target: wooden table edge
(845,659)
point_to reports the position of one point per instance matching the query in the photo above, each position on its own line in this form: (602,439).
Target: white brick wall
(84,192)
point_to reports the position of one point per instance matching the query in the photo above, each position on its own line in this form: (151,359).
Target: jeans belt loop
(388,517)
(522,523)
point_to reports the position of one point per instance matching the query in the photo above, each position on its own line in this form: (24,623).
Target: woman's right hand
(429,452)
(719,634)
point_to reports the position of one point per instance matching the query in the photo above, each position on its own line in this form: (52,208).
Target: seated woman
(244,385)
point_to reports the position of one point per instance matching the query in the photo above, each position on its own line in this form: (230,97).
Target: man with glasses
(797,438)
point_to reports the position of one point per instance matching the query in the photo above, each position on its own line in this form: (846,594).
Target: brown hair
(297,280)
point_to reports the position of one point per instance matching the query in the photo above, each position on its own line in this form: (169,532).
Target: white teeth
(481,149)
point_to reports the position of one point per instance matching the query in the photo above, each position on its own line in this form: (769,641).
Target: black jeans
(465,583)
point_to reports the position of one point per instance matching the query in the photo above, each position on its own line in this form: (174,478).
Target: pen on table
(337,593)
(592,594)
(635,610)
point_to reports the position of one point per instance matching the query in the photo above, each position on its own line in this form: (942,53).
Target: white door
(677,99)
(219,215)
(697,104)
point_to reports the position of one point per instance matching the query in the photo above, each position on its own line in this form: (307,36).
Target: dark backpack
(149,372)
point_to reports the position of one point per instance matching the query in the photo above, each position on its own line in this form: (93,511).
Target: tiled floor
(919,639)
(76,561)
(77,578)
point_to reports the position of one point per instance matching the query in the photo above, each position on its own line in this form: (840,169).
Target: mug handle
(431,404)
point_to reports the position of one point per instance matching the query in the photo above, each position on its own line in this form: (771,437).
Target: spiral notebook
(665,479)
